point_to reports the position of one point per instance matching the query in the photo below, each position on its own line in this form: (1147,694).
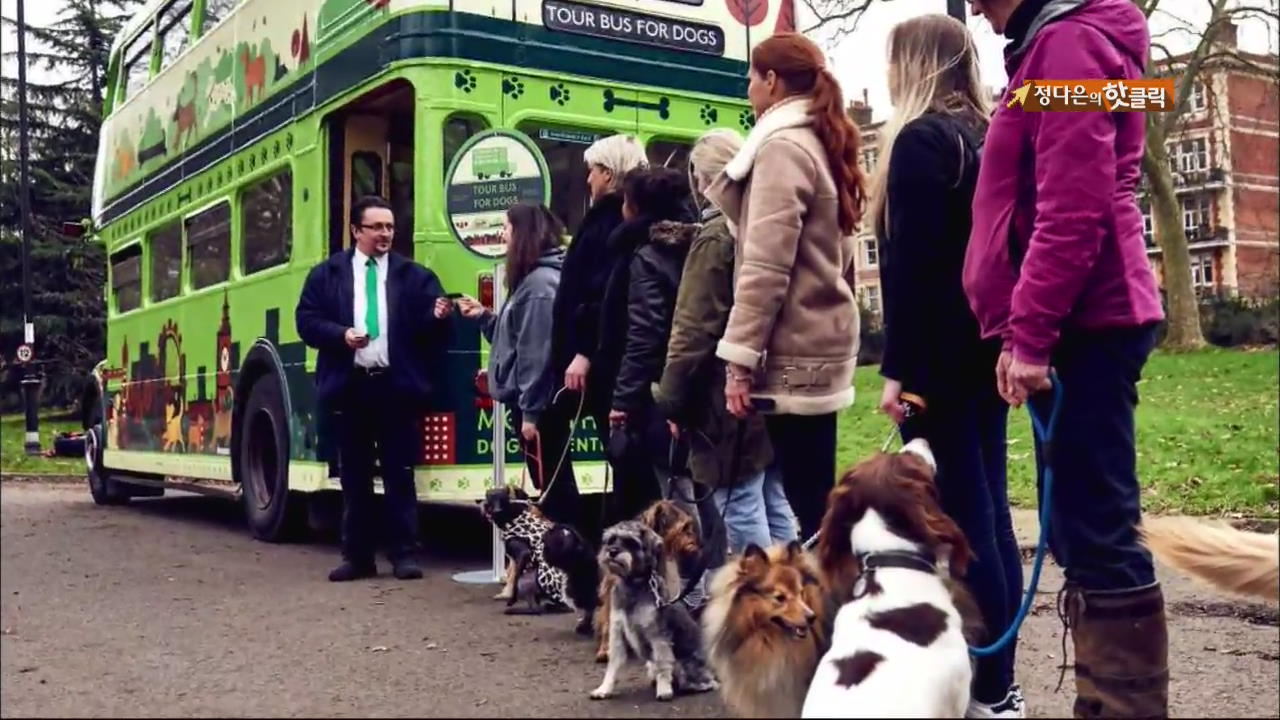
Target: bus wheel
(273,512)
(102,487)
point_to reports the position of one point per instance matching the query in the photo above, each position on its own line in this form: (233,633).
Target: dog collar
(873,561)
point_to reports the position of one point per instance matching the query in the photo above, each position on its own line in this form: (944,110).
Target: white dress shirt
(375,354)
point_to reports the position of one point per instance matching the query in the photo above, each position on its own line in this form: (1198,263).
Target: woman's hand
(617,417)
(674,428)
(891,401)
(443,308)
(575,376)
(737,390)
(471,308)
(528,431)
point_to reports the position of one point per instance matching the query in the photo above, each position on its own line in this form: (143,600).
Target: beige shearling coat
(795,317)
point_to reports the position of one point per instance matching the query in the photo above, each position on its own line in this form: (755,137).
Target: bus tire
(104,489)
(274,514)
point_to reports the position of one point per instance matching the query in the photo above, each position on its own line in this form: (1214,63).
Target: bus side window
(209,245)
(166,262)
(669,153)
(175,32)
(457,130)
(126,278)
(563,149)
(366,175)
(266,217)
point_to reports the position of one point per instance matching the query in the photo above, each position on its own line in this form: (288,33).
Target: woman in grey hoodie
(519,333)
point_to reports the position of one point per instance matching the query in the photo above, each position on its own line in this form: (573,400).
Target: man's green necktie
(371,297)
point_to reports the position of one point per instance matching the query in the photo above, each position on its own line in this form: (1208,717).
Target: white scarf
(790,113)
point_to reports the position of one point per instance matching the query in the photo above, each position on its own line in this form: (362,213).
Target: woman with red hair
(794,194)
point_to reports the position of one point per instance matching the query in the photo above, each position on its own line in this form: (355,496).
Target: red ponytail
(799,63)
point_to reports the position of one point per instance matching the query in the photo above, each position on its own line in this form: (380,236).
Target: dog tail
(1236,561)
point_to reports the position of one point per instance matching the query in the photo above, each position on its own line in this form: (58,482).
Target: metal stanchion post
(496,573)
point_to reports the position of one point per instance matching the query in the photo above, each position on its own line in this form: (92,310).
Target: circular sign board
(25,353)
(491,172)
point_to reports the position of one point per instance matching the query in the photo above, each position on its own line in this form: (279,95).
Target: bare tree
(1189,71)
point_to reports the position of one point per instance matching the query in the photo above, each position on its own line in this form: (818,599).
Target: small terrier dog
(661,633)
(682,548)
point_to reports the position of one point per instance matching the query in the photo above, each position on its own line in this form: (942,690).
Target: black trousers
(1096,498)
(966,429)
(373,424)
(560,498)
(805,449)
(633,485)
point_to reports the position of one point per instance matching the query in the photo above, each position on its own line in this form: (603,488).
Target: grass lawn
(13,458)
(1207,433)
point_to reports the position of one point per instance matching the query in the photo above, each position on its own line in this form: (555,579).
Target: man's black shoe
(352,571)
(406,570)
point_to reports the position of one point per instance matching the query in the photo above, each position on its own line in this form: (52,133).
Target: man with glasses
(368,311)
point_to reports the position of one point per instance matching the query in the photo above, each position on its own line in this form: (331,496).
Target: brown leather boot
(1122,652)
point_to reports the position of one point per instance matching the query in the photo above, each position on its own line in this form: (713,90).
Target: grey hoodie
(520,336)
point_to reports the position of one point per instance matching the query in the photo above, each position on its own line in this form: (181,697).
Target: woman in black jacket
(575,334)
(635,322)
(935,362)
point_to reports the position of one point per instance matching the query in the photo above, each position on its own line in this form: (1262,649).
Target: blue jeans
(758,512)
(966,428)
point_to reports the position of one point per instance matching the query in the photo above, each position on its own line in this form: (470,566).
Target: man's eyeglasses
(380,227)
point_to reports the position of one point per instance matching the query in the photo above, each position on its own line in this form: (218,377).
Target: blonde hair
(619,154)
(708,157)
(933,65)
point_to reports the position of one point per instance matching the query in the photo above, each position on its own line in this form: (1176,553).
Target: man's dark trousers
(374,423)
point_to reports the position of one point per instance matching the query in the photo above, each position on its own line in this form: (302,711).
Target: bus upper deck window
(126,278)
(137,62)
(214,12)
(175,32)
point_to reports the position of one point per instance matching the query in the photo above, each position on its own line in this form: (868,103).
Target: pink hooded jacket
(1057,236)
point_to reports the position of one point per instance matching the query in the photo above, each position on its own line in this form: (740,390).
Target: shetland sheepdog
(766,624)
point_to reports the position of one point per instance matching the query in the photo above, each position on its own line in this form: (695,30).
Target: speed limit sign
(25,353)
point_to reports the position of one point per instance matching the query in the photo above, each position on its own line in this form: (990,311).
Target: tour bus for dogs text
(237,134)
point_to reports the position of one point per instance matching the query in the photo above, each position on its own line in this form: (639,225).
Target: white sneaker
(1012,706)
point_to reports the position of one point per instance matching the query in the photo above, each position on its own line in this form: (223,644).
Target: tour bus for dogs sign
(629,26)
(491,172)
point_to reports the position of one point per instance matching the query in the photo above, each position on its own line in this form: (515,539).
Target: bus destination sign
(629,26)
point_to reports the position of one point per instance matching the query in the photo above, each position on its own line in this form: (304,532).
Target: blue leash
(1045,436)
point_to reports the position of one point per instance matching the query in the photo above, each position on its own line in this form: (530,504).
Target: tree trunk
(1183,305)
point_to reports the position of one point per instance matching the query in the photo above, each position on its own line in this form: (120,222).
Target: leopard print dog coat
(531,525)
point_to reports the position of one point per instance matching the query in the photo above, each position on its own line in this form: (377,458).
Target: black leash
(735,468)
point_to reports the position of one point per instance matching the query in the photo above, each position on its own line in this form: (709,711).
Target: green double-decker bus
(237,134)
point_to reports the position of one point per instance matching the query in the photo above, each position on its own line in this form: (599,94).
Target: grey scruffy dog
(643,618)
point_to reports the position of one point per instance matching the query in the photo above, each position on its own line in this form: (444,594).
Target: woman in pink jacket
(1057,270)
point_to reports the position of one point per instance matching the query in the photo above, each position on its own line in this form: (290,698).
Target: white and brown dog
(898,648)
